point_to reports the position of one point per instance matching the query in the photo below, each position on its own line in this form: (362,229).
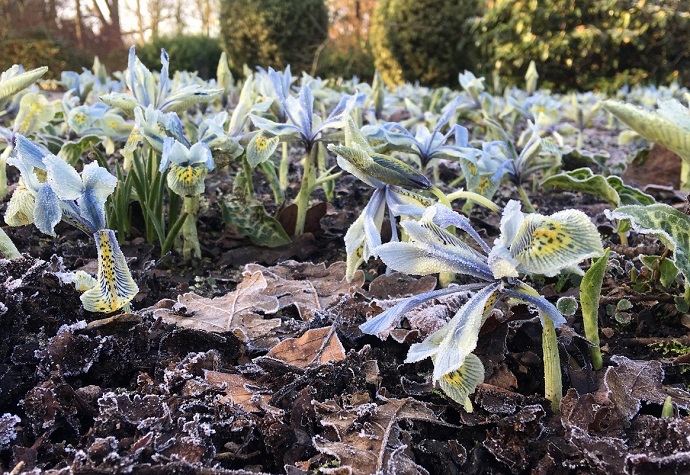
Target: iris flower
(51,191)
(528,244)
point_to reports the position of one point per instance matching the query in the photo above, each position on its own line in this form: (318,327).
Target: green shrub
(273,32)
(187,53)
(352,59)
(33,53)
(586,44)
(423,40)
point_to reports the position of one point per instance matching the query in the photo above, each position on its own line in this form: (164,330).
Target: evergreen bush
(424,40)
(586,44)
(273,32)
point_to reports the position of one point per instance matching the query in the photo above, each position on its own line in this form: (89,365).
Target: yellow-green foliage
(424,40)
(34,53)
(587,44)
(187,52)
(273,32)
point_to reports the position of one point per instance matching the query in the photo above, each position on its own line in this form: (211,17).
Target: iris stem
(553,384)
(305,190)
(190,240)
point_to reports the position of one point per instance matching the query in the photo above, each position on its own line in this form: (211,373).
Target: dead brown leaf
(366,438)
(309,287)
(315,347)
(387,286)
(236,310)
(237,390)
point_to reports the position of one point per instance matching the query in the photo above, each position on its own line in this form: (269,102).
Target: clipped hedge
(273,32)
(587,44)
(187,53)
(424,40)
(34,53)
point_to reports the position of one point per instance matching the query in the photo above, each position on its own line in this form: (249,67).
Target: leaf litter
(274,377)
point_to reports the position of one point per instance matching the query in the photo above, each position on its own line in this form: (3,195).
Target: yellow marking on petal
(484,185)
(547,240)
(187,180)
(115,287)
(472,168)
(261,143)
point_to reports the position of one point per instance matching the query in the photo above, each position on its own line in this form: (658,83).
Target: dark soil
(82,393)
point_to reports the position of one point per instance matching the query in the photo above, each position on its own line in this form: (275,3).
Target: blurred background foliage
(576,44)
(190,53)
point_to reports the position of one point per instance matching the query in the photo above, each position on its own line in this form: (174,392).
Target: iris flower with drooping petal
(528,244)
(51,191)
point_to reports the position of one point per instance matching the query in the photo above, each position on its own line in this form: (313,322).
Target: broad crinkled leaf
(666,223)
(610,188)
(251,219)
(668,126)
(72,150)
(585,181)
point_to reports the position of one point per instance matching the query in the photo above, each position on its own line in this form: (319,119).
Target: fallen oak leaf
(309,287)
(366,438)
(237,310)
(237,390)
(315,347)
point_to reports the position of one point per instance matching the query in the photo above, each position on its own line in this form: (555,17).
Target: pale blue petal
(63,178)
(381,324)
(98,184)
(420,259)
(28,152)
(447,113)
(306,110)
(462,332)
(168,143)
(373,213)
(47,212)
(164,79)
(275,128)
(200,153)
(545,307)
(99,180)
(445,217)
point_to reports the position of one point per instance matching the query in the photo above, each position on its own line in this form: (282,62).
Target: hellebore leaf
(666,223)
(610,188)
(251,220)
(72,151)
(669,125)
(115,287)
